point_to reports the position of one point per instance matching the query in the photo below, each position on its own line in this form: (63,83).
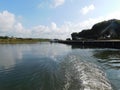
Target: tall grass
(21,40)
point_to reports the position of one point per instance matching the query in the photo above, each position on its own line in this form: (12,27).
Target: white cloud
(51,4)
(10,26)
(20,31)
(7,20)
(57,3)
(43,4)
(53,26)
(87,9)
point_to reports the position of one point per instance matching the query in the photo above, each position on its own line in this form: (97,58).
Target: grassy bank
(21,40)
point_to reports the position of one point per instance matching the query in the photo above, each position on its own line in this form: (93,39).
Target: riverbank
(93,43)
(21,40)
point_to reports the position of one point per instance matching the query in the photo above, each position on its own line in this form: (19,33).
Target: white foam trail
(81,75)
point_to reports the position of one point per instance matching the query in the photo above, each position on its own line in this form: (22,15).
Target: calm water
(46,66)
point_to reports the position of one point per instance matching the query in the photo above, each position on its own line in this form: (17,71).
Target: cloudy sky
(53,18)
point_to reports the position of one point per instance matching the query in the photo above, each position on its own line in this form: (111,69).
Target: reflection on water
(110,60)
(31,67)
(48,66)
(9,54)
(39,74)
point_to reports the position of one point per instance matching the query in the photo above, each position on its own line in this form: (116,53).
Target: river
(46,66)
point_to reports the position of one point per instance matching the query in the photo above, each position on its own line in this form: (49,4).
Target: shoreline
(21,40)
(93,43)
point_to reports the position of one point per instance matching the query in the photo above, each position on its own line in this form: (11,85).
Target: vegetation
(14,40)
(104,30)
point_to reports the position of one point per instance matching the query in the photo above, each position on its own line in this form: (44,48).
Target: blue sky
(53,18)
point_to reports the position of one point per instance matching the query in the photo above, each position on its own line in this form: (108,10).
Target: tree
(74,36)
(68,39)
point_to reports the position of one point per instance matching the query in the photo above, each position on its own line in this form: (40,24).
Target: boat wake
(81,75)
(47,74)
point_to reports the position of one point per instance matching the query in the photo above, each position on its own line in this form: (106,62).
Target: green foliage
(4,37)
(74,36)
(68,39)
(103,30)
(13,40)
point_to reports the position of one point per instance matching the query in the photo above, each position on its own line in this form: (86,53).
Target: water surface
(46,66)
